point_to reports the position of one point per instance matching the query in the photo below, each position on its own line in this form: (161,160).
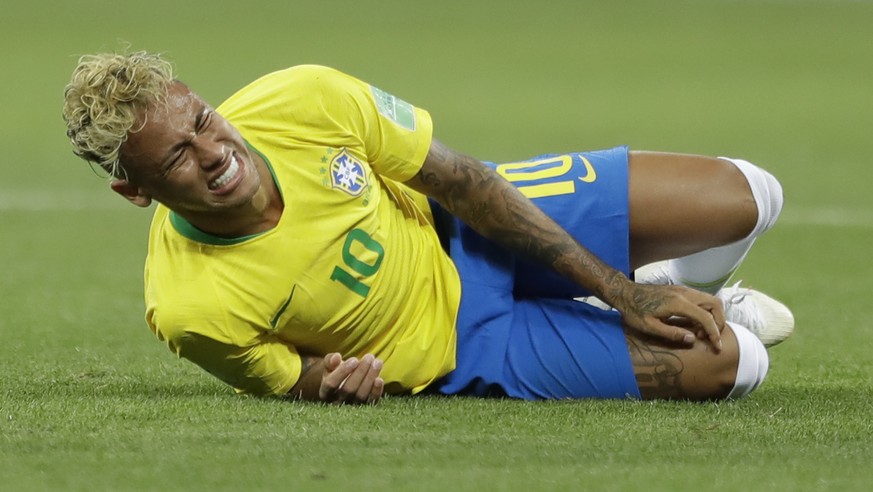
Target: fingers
(716,308)
(705,321)
(707,314)
(359,386)
(353,381)
(667,330)
(672,312)
(701,313)
(660,329)
(332,361)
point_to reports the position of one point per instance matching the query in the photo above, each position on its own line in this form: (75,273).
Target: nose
(210,152)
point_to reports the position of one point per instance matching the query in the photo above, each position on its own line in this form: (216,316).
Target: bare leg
(682,204)
(696,373)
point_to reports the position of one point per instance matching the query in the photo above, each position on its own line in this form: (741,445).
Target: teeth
(225,178)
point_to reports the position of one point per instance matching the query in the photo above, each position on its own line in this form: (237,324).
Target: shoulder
(301,80)
(295,91)
(312,73)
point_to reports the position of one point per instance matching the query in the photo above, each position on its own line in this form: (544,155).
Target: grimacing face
(189,158)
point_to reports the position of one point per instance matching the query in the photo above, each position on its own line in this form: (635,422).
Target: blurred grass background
(90,401)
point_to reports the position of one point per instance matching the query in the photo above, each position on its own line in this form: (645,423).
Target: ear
(130,192)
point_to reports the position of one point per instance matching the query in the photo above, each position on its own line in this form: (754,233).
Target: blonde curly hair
(104,98)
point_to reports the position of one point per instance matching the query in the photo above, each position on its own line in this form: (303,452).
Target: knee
(734,372)
(697,373)
(766,190)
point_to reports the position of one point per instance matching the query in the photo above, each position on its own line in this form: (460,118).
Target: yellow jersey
(353,266)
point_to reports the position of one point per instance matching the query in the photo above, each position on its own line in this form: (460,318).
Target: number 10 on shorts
(535,172)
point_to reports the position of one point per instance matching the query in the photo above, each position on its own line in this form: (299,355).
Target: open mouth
(228,178)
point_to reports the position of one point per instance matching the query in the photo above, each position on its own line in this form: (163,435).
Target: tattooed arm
(493,207)
(333,380)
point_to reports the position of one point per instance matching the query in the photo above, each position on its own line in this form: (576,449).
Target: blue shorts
(520,333)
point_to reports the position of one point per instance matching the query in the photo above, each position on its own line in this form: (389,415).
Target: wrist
(616,290)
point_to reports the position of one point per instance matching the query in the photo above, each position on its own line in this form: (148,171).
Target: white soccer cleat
(770,320)
(656,273)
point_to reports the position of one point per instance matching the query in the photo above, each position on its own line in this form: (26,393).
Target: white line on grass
(37,200)
(827,215)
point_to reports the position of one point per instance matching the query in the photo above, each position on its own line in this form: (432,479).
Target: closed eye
(204,120)
(174,162)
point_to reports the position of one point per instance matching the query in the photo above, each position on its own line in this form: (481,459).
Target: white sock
(753,364)
(711,269)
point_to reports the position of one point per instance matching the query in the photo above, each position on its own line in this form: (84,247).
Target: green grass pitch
(89,400)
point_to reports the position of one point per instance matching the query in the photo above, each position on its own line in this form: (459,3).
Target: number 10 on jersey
(361,242)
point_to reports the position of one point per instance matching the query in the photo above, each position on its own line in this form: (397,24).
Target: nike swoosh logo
(592,175)
(282,309)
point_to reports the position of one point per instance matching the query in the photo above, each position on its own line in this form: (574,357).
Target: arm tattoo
(496,209)
(647,300)
(429,179)
(306,363)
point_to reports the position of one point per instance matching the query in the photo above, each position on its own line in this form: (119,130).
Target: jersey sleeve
(264,369)
(395,135)
(270,367)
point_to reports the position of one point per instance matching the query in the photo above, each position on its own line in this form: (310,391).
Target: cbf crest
(347,174)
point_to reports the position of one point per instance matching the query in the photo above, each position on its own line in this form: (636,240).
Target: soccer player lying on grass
(313,240)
